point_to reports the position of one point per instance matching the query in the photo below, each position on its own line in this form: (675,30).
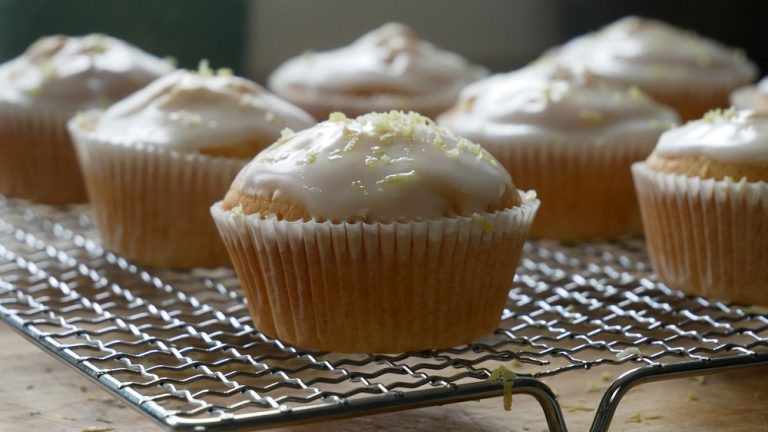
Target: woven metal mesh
(181,345)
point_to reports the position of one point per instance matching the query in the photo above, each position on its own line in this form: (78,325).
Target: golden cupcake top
(643,51)
(545,100)
(752,97)
(391,59)
(376,167)
(204,111)
(728,135)
(77,73)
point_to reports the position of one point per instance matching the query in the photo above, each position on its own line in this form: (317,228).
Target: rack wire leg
(629,380)
(546,398)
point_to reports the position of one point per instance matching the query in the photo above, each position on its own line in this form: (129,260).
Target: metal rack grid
(180,346)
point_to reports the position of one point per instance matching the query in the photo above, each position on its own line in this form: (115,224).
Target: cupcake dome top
(388,60)
(643,51)
(725,135)
(78,73)
(380,167)
(752,97)
(545,100)
(192,111)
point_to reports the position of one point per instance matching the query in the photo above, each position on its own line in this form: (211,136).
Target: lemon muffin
(42,89)
(678,68)
(387,68)
(383,233)
(704,198)
(156,161)
(752,97)
(570,136)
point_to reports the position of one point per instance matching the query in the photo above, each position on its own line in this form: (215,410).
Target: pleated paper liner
(151,204)
(585,185)
(37,158)
(376,287)
(706,237)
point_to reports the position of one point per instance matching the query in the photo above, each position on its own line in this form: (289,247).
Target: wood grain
(38,393)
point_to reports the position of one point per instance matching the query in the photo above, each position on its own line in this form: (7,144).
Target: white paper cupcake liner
(585,186)
(37,159)
(375,287)
(151,205)
(706,237)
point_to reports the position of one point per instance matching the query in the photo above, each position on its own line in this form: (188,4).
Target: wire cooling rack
(180,346)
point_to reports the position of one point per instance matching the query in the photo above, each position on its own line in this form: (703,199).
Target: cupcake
(752,97)
(156,161)
(43,88)
(383,233)
(388,68)
(570,136)
(704,198)
(678,68)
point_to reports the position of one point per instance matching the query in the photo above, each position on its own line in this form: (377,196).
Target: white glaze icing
(646,52)
(390,59)
(187,110)
(730,136)
(78,73)
(547,101)
(391,166)
(752,97)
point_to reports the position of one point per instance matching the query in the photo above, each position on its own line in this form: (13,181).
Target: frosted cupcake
(678,68)
(388,68)
(704,198)
(156,161)
(43,88)
(570,136)
(752,97)
(382,233)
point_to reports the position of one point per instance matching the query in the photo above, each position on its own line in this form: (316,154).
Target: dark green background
(187,30)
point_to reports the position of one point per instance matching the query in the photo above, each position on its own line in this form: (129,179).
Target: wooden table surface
(39,393)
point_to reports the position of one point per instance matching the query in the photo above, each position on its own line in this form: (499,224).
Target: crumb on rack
(629,352)
(693,396)
(606,376)
(506,377)
(572,408)
(700,380)
(642,418)
(97,429)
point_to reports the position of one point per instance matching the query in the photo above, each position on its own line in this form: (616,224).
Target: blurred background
(254,36)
